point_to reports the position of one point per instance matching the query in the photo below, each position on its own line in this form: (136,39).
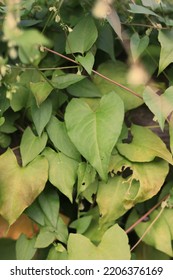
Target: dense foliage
(86,129)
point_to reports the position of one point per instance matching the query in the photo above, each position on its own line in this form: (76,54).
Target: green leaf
(137,9)
(86,176)
(111,199)
(160,105)
(84,88)
(25,248)
(144,147)
(86,61)
(165,38)
(95,133)
(31,146)
(41,115)
(57,133)
(138,45)
(19,98)
(113,246)
(86,31)
(41,91)
(81,224)
(19,186)
(45,237)
(5,140)
(35,212)
(49,204)
(57,252)
(7,251)
(65,80)
(62,171)
(118,72)
(105,41)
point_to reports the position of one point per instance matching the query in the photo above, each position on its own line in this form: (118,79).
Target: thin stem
(146,214)
(117,84)
(97,73)
(44,69)
(147,230)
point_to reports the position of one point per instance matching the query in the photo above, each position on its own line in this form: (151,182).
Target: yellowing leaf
(41,91)
(159,236)
(144,147)
(113,246)
(19,186)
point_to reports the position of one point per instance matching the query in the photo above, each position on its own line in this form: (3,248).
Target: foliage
(86,178)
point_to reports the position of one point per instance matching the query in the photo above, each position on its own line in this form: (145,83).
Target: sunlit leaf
(86,176)
(111,199)
(144,147)
(95,133)
(159,236)
(144,179)
(19,186)
(113,246)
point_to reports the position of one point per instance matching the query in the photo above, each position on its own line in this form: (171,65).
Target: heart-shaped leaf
(138,45)
(145,146)
(41,91)
(62,171)
(160,105)
(19,186)
(31,145)
(113,246)
(86,31)
(94,128)
(87,61)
